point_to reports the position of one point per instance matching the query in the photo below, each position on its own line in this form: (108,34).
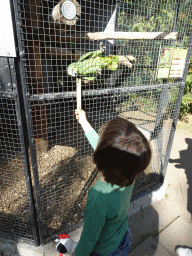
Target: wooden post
(78,95)
(39,114)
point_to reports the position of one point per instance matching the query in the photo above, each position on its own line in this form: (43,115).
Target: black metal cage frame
(37,116)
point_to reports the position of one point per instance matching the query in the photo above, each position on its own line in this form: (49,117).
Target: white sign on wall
(7,42)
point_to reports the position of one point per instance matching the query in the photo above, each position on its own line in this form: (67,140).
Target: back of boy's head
(122,152)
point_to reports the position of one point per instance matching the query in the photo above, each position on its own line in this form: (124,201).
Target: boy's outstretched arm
(90,133)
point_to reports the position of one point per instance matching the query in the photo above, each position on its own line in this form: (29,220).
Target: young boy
(121,153)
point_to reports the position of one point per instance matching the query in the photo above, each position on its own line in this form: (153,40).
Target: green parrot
(91,64)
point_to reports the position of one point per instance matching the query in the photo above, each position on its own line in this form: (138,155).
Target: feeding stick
(78,92)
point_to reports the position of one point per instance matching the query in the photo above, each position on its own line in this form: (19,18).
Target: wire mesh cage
(15,216)
(134,60)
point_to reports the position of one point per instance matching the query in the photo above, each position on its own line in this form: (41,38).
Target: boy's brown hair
(122,152)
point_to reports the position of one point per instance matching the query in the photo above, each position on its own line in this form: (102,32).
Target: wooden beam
(58,52)
(133,35)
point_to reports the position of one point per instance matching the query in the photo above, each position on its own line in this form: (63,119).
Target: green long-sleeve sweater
(106,214)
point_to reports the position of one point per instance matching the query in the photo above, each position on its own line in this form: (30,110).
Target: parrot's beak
(72,71)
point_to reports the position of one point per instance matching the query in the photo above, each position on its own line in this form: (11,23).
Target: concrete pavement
(169,220)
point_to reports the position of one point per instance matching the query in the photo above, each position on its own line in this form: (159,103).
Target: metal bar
(66,95)
(5,78)
(176,19)
(179,99)
(23,140)
(164,100)
(176,15)
(28,119)
(159,131)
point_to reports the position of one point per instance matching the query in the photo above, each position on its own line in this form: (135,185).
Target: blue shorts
(123,248)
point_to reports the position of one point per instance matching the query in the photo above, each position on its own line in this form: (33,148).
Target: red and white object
(65,245)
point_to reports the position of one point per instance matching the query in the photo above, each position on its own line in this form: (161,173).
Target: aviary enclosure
(136,62)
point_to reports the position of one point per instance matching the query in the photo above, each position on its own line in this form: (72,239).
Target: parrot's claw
(73,73)
(131,58)
(99,71)
(102,48)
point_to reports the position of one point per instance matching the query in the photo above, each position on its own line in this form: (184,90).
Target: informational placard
(171,63)
(7,42)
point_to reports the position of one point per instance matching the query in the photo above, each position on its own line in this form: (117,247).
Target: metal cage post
(179,99)
(23,96)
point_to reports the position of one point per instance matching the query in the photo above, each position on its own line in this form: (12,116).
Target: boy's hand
(80,116)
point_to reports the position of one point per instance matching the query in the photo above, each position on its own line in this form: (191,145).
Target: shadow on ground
(185,162)
(143,225)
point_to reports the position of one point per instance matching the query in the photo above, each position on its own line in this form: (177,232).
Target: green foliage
(145,16)
(149,16)
(188,86)
(143,101)
(186,104)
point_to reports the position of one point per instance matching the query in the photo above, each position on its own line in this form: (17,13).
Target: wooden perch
(133,35)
